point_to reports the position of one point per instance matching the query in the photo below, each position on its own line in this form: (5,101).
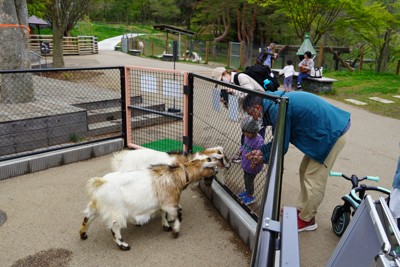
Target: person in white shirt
(305,69)
(287,72)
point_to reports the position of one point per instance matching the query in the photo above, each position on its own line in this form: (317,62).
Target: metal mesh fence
(46,109)
(217,124)
(156,108)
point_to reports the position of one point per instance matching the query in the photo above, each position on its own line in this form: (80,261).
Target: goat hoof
(83,236)
(124,248)
(167,228)
(175,234)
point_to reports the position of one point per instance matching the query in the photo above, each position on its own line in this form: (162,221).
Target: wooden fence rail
(81,45)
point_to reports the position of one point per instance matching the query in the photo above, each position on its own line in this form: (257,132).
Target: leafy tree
(142,11)
(85,26)
(64,15)
(186,8)
(376,26)
(164,10)
(37,8)
(312,16)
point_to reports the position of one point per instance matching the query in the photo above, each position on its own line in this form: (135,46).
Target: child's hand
(255,156)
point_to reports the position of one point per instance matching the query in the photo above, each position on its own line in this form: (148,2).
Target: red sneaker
(306,226)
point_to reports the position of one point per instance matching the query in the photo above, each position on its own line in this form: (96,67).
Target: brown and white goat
(134,196)
(139,159)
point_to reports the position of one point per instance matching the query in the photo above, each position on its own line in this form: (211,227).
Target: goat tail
(93,184)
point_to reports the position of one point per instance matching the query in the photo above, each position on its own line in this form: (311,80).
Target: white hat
(217,73)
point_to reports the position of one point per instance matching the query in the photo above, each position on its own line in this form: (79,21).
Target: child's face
(249,135)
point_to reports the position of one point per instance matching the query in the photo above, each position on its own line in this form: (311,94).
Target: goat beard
(208,180)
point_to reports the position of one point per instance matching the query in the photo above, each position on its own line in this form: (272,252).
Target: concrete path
(44,209)
(109,44)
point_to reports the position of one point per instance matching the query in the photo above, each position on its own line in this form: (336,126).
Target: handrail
(265,246)
(35,54)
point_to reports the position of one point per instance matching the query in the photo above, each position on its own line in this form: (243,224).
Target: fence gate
(234,57)
(155,103)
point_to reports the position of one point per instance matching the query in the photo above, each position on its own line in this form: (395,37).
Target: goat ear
(216,156)
(209,164)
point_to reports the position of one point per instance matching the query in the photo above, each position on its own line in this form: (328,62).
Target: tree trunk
(344,63)
(14,55)
(59,22)
(383,57)
(226,22)
(58,50)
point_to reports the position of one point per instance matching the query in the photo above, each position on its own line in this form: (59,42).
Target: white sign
(172,88)
(148,83)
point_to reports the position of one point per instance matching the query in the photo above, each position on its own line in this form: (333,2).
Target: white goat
(140,159)
(134,196)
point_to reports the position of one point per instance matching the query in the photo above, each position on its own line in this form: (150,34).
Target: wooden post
(206,60)
(398,67)
(361,57)
(152,48)
(321,55)
(186,48)
(229,54)
(166,44)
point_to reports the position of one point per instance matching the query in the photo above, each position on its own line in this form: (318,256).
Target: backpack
(261,58)
(262,75)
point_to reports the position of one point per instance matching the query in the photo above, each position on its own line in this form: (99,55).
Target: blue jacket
(312,124)
(396,179)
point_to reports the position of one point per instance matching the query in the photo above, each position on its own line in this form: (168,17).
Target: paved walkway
(44,209)
(109,44)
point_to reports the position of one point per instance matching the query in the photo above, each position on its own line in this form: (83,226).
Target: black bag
(260,74)
(261,58)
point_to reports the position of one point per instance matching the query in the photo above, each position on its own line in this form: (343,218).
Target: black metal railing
(218,123)
(49,109)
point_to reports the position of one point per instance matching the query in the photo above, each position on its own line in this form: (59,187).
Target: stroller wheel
(340,220)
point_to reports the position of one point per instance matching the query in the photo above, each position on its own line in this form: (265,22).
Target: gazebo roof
(306,46)
(38,22)
(174,30)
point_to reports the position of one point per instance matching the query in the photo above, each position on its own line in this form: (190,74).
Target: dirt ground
(45,210)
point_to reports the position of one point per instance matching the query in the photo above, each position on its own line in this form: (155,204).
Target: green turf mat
(167,144)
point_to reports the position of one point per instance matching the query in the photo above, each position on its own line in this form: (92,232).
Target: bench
(134,52)
(167,57)
(317,85)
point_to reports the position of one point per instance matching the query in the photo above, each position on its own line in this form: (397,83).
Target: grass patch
(361,85)
(166,145)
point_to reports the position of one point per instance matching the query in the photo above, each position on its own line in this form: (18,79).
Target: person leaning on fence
(245,81)
(394,202)
(287,72)
(252,140)
(267,56)
(318,129)
(305,67)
